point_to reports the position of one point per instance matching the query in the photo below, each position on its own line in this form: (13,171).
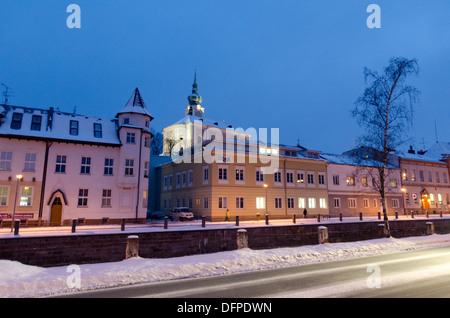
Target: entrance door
(56,212)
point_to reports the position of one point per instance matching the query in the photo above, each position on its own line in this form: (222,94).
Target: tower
(194,108)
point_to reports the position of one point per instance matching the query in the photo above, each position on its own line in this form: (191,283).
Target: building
(425,180)
(222,172)
(68,166)
(353,188)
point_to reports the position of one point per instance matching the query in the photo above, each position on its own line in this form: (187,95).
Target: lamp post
(18,177)
(266,186)
(404,201)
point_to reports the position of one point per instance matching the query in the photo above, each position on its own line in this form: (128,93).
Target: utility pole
(6,94)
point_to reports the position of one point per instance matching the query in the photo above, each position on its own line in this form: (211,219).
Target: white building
(74,166)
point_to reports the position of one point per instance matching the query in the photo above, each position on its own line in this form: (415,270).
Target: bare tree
(385,111)
(156,145)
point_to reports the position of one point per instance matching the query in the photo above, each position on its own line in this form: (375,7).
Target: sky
(288,64)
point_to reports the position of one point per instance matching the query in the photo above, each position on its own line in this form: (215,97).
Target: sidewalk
(155,226)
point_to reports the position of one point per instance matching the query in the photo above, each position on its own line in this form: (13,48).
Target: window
(131,138)
(444,177)
(239,174)
(129,167)
(278,203)
(108,169)
(336,180)
(26,194)
(83,197)
(36,122)
(106,198)
(60,164)
(259,176)
(205,203)
(97,130)
(322,203)
(205,175)
(73,130)
(147,142)
(301,203)
(321,179)
(178,179)
(404,175)
(239,203)
(366,203)
(223,202)
(145,198)
(310,178)
(30,162)
(85,165)
(375,203)
(438,179)
(413,175)
(126,121)
(432,198)
(277,176)
(337,202)
(350,181)
(223,173)
(430,179)
(421,177)
(393,183)
(395,203)
(183,179)
(439,198)
(5,161)
(289,177)
(312,203)
(3,196)
(190,177)
(260,203)
(364,181)
(16,122)
(352,203)
(290,202)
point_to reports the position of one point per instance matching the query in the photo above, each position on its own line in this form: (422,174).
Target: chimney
(411,150)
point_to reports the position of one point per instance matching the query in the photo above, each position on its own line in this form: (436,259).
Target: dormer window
(126,121)
(36,122)
(16,122)
(74,127)
(97,130)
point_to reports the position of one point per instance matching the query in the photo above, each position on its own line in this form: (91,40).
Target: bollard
(74,225)
(379,215)
(396,215)
(440,213)
(132,246)
(340,216)
(323,234)
(16,227)
(267,219)
(318,217)
(293,219)
(237,220)
(242,239)
(122,226)
(203,221)
(166,222)
(360,216)
(430,228)
(426,214)
(412,214)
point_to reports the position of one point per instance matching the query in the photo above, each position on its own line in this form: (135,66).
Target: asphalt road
(417,273)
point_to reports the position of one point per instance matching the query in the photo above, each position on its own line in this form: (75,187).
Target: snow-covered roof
(50,124)
(205,121)
(419,157)
(439,150)
(353,161)
(135,105)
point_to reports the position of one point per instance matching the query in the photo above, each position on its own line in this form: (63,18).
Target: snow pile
(19,280)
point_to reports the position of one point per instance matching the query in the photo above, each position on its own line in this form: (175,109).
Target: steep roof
(135,105)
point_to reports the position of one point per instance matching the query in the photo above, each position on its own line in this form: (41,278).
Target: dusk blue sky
(294,65)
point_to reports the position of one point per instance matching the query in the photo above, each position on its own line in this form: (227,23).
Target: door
(56,212)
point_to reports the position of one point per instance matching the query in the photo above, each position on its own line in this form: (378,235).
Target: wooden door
(56,212)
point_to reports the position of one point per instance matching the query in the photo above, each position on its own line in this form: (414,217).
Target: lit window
(3,196)
(260,203)
(312,203)
(322,203)
(25,196)
(301,203)
(350,181)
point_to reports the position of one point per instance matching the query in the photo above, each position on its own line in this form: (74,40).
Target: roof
(439,150)
(353,161)
(205,121)
(56,125)
(135,105)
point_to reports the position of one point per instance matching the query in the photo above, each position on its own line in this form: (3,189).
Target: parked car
(157,215)
(181,214)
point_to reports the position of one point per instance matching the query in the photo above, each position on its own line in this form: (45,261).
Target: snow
(19,280)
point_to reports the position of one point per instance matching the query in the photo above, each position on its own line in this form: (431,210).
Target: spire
(194,98)
(135,105)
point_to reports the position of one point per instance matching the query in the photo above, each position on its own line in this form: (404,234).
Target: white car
(181,214)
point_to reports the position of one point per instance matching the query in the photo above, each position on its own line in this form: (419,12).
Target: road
(417,273)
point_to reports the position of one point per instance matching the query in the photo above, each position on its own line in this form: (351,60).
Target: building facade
(69,166)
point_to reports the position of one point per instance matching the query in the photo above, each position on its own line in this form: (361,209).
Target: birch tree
(385,112)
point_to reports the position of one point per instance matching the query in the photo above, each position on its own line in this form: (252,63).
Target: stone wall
(80,249)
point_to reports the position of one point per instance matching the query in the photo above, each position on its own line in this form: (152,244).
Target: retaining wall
(96,248)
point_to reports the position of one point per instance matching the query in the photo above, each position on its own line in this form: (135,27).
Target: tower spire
(194,108)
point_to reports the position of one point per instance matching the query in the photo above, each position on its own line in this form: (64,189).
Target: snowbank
(19,280)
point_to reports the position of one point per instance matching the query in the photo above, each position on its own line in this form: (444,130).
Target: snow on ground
(19,280)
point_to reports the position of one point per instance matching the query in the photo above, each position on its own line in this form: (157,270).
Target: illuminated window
(323,203)
(350,181)
(301,203)
(312,203)
(260,203)
(26,196)
(3,196)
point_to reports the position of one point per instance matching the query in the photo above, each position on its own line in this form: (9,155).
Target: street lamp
(18,177)
(404,201)
(266,186)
